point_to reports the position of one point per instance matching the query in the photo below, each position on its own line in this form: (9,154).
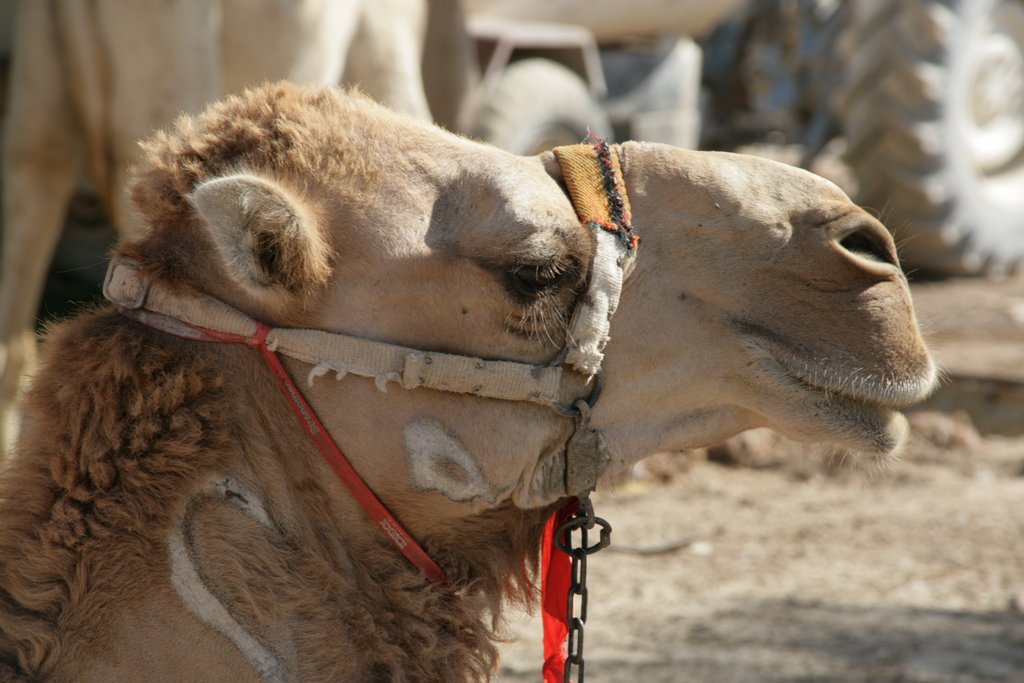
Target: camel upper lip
(877,390)
(881,390)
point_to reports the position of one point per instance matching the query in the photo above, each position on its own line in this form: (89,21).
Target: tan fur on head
(266,239)
(277,135)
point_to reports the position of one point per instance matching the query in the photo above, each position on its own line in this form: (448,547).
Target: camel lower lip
(816,412)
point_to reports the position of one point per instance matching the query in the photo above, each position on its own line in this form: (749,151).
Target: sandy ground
(790,564)
(791,572)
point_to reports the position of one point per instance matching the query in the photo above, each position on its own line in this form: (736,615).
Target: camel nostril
(867,245)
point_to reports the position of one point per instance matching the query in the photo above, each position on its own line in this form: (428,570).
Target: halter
(593,175)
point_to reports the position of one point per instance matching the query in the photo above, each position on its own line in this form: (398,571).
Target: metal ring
(574,411)
(564,532)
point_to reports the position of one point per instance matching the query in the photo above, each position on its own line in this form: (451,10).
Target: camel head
(771,297)
(760,295)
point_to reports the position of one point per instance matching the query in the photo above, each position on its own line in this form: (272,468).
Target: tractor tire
(538,104)
(932,108)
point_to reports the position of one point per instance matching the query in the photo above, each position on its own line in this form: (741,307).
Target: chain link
(584,522)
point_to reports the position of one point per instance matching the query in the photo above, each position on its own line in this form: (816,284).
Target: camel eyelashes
(533,280)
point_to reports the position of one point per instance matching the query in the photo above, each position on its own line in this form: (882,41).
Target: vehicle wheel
(536,105)
(933,113)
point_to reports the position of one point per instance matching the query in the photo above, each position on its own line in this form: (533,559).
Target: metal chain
(576,604)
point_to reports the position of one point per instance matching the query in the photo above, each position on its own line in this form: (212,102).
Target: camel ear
(266,238)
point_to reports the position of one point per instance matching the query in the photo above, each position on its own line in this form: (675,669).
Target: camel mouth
(868,424)
(859,410)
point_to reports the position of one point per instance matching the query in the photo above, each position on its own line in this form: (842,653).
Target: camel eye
(533,280)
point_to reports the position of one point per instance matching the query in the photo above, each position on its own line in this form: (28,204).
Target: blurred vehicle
(553,71)
(927,95)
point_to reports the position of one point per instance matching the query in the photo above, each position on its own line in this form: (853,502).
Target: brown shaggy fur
(284,133)
(80,501)
(128,424)
(93,493)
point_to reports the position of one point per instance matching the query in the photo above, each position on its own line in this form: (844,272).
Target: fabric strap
(129,288)
(593,175)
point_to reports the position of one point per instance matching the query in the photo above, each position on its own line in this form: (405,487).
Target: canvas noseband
(593,176)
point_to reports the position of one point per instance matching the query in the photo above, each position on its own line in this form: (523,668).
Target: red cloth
(556,577)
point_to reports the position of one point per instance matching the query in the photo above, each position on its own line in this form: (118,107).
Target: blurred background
(756,560)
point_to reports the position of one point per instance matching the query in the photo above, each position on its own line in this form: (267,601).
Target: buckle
(412,369)
(125,286)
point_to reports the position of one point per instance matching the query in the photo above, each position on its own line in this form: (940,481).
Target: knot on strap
(258,339)
(412,369)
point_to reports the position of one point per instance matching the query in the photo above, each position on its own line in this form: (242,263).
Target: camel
(483,336)
(90,79)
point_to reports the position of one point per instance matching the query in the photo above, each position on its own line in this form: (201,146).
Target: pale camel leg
(42,163)
(387,55)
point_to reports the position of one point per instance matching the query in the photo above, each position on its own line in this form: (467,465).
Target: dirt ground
(768,561)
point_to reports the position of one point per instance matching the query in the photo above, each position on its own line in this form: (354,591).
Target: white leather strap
(588,329)
(127,286)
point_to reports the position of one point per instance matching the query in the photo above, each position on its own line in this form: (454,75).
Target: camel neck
(314,429)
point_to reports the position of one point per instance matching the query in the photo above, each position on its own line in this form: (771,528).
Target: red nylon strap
(556,578)
(369,501)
